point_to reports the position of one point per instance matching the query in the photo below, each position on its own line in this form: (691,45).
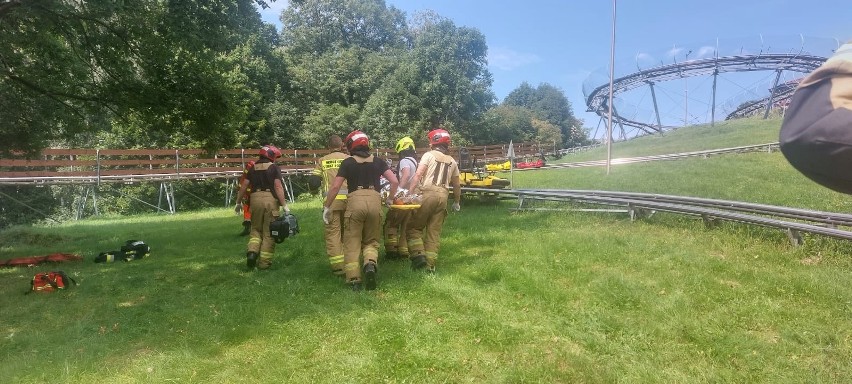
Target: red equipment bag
(50,281)
(35,260)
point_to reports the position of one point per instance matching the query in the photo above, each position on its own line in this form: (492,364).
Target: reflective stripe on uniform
(348,267)
(336,259)
(415,243)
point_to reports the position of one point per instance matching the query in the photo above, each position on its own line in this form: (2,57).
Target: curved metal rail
(792,220)
(596,99)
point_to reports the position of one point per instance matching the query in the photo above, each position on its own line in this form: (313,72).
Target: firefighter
(266,199)
(327,170)
(815,135)
(396,245)
(244,207)
(435,173)
(362,220)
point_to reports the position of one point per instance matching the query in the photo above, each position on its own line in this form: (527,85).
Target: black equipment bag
(284,227)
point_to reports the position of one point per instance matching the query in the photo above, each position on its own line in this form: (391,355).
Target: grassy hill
(518,297)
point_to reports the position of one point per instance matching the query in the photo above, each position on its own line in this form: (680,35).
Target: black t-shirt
(362,175)
(264,179)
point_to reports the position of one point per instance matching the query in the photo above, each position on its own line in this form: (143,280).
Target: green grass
(724,134)
(568,297)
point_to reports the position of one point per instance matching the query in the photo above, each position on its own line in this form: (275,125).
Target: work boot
(391,254)
(251,259)
(356,286)
(246,228)
(370,272)
(418,261)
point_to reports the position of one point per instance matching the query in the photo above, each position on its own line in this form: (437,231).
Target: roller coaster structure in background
(793,54)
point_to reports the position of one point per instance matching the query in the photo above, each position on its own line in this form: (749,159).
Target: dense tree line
(210,74)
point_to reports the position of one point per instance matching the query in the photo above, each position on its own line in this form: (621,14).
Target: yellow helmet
(404,143)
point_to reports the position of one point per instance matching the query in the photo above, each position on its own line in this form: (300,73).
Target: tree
(504,123)
(72,69)
(549,104)
(452,80)
(339,53)
(315,27)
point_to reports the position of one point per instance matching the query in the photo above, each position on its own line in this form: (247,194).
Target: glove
(326,215)
(238,209)
(389,202)
(456,207)
(286,209)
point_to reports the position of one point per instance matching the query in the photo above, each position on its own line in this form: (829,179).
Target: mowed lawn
(556,296)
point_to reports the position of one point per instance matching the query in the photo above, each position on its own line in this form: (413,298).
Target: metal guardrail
(768,147)
(793,221)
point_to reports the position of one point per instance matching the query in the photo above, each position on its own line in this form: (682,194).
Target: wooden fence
(56,165)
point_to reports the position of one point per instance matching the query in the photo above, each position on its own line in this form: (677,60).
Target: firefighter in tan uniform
(327,169)
(363,217)
(435,173)
(267,196)
(816,135)
(396,241)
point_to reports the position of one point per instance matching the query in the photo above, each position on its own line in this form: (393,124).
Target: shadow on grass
(193,292)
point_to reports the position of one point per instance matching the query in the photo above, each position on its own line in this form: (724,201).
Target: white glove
(286,209)
(456,207)
(401,192)
(389,202)
(326,215)
(238,209)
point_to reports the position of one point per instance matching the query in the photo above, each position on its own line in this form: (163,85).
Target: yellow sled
(499,167)
(472,176)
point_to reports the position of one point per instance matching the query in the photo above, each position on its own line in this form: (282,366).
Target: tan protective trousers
(334,236)
(424,227)
(362,228)
(264,210)
(396,239)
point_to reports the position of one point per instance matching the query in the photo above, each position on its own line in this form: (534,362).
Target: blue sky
(561,42)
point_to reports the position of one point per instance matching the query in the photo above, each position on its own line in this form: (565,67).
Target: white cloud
(640,56)
(706,51)
(506,59)
(674,51)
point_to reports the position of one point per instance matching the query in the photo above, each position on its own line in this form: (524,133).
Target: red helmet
(270,152)
(357,139)
(439,136)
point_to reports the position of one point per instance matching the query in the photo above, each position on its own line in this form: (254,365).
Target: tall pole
(609,104)
(685,100)
(713,108)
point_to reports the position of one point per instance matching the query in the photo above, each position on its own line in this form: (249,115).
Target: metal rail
(596,98)
(768,147)
(793,221)
(132,178)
